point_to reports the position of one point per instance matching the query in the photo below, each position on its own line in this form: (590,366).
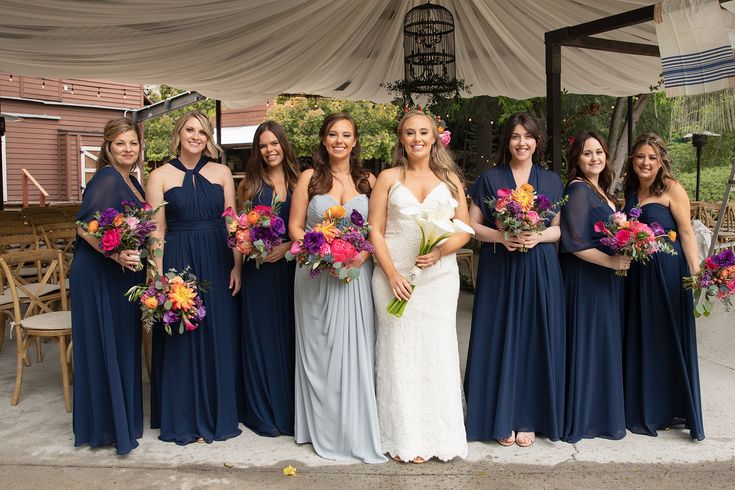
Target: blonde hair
(212,150)
(113,129)
(440,158)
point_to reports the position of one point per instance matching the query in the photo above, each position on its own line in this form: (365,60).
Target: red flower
(111,240)
(710,264)
(342,250)
(600,227)
(623,237)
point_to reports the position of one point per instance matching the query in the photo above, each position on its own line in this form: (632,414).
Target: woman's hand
(510,241)
(530,239)
(235,279)
(431,258)
(400,286)
(620,262)
(357,262)
(129,259)
(278,252)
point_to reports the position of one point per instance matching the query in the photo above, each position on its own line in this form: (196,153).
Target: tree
(302,117)
(157,131)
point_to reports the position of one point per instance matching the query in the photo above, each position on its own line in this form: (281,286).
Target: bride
(417,360)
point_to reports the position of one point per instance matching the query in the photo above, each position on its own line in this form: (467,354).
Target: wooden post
(553,102)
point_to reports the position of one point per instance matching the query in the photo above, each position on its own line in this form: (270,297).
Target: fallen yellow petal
(289,471)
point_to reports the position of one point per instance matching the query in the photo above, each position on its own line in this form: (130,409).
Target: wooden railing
(42,194)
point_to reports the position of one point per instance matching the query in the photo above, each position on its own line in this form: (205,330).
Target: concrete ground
(37,450)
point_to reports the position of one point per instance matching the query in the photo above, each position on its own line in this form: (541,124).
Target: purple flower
(313,241)
(278,226)
(726,258)
(635,213)
(543,203)
(232,242)
(128,204)
(201,312)
(257,233)
(515,209)
(656,228)
(357,218)
(170,318)
(107,216)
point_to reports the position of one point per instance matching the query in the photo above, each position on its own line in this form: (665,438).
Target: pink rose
(132,222)
(147,207)
(623,237)
(297,247)
(533,217)
(342,250)
(446,137)
(503,193)
(619,218)
(324,249)
(638,227)
(500,204)
(111,240)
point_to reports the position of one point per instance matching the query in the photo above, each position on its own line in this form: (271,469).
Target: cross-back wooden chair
(46,315)
(61,238)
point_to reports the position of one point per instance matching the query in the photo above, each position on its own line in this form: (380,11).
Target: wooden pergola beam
(613,46)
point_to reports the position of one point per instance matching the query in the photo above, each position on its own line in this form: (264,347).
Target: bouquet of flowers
(173,299)
(627,236)
(522,210)
(436,225)
(256,231)
(716,279)
(129,230)
(333,243)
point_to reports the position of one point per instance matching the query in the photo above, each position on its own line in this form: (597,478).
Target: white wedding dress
(417,360)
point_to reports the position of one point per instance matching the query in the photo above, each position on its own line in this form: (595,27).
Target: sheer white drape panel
(246,51)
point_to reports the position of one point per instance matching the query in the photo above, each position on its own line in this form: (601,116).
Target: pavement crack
(717,363)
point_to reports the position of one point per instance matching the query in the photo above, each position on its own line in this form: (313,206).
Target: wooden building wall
(248,116)
(61,117)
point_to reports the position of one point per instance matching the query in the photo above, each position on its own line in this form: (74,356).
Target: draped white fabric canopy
(245,51)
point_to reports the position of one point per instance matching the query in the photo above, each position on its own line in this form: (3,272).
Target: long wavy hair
(631,183)
(113,129)
(605,180)
(440,158)
(531,125)
(211,150)
(321,180)
(256,169)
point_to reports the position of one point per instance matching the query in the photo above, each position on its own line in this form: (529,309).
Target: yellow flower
(524,196)
(672,235)
(289,471)
(335,212)
(151,302)
(181,296)
(327,229)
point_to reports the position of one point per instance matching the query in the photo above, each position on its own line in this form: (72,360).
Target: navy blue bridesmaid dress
(514,379)
(268,338)
(660,366)
(594,384)
(108,403)
(193,380)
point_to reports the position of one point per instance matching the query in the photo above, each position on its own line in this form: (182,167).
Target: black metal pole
(553,102)
(698,140)
(629,120)
(218,123)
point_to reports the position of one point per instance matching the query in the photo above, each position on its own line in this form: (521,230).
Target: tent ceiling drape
(243,52)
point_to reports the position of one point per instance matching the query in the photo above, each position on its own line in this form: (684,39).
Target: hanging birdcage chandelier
(428,49)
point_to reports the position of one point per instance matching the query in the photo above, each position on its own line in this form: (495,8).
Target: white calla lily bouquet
(434,219)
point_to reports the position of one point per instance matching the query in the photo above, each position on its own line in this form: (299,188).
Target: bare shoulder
(456,180)
(159,174)
(676,192)
(306,175)
(371,179)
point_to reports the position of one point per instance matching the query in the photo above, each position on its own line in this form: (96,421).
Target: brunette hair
(605,180)
(658,186)
(256,174)
(211,150)
(440,158)
(531,125)
(113,129)
(321,179)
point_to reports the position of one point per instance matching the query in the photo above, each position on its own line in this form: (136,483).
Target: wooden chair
(40,319)
(61,239)
(467,256)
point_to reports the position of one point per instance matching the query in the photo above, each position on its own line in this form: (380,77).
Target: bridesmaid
(514,381)
(594,385)
(661,372)
(267,293)
(108,403)
(335,384)
(193,380)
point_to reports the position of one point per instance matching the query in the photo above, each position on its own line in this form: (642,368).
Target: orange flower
(93,226)
(672,235)
(335,212)
(119,219)
(253,217)
(181,296)
(524,196)
(151,302)
(327,229)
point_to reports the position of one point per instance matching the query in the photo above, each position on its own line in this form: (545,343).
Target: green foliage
(711,185)
(157,131)
(302,117)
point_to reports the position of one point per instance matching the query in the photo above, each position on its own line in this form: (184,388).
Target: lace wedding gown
(417,360)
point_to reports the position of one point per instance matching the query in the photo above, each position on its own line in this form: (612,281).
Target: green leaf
(167,305)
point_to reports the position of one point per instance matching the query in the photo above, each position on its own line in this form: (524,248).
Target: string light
(72,89)
(43,83)
(66,88)
(11,77)
(98,92)
(125,94)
